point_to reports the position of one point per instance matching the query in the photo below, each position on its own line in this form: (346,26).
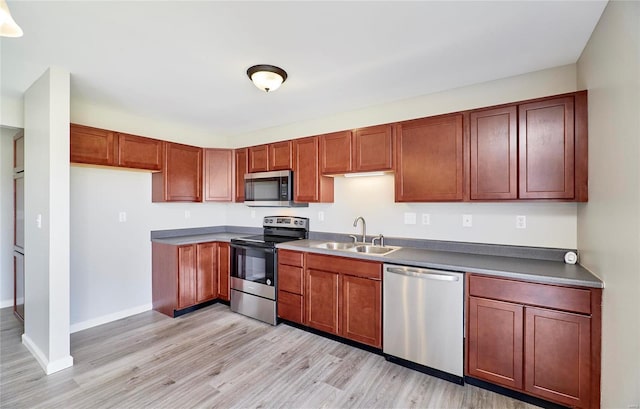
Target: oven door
(253,269)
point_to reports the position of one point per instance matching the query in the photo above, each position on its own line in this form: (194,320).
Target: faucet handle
(353,236)
(378,237)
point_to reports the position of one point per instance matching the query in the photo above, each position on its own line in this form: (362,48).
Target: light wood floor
(215,358)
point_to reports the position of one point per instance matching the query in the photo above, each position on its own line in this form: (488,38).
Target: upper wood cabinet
(281,155)
(93,146)
(362,150)
(337,154)
(139,152)
(309,185)
(18,153)
(241,169)
(218,172)
(258,158)
(546,138)
(494,153)
(372,148)
(274,156)
(429,159)
(181,176)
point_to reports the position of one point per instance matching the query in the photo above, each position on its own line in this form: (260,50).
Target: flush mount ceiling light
(266,77)
(8,27)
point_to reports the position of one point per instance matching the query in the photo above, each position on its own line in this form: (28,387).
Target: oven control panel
(286,221)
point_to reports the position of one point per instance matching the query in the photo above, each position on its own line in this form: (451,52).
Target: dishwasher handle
(423,273)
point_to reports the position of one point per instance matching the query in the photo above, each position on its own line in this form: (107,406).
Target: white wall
(6,216)
(46,328)
(111,260)
(11,112)
(609,224)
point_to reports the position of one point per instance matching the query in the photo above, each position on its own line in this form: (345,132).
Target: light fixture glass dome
(8,27)
(267,77)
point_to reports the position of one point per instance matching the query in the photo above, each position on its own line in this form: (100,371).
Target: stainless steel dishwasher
(423,320)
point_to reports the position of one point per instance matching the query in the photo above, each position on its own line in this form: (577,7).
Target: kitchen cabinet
(539,339)
(494,155)
(372,149)
(93,146)
(343,296)
(337,154)
(291,286)
(224,280)
(429,159)
(362,150)
(241,169)
(185,276)
(218,175)
(18,284)
(139,152)
(18,153)
(309,185)
(181,176)
(281,155)
(258,157)
(547,149)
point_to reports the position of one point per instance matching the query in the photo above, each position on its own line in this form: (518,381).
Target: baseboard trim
(6,303)
(47,366)
(94,322)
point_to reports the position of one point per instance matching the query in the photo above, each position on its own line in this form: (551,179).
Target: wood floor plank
(213,358)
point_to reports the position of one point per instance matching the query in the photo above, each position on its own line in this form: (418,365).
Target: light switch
(409,218)
(321,216)
(39,221)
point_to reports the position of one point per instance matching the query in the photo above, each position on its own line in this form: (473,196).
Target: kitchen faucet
(364,227)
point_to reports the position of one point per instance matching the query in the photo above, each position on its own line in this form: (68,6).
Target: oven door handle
(255,248)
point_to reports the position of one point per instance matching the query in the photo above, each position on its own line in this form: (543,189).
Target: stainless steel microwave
(270,189)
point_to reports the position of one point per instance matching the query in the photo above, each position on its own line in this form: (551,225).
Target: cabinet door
(309,186)
(291,307)
(558,356)
(258,158)
(139,152)
(186,276)
(241,170)
(336,151)
(322,301)
(223,271)
(429,160)
(494,159)
(546,154)
(218,184)
(181,178)
(281,156)
(362,310)
(18,280)
(18,153)
(372,149)
(207,272)
(495,341)
(93,146)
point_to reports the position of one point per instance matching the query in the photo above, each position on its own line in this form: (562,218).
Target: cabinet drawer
(290,307)
(348,266)
(544,295)
(290,278)
(292,258)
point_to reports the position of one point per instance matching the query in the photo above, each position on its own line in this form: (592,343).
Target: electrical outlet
(253,214)
(467,220)
(521,222)
(321,216)
(187,214)
(409,218)
(122,217)
(426,218)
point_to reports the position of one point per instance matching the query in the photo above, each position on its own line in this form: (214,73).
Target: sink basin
(332,245)
(373,249)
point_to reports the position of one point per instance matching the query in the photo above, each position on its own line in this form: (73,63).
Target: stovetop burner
(278,229)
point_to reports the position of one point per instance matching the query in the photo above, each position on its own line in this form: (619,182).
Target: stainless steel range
(254,264)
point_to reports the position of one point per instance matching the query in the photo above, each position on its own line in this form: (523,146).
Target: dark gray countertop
(541,271)
(198,238)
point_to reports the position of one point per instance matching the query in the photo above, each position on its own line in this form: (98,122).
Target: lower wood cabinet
(291,287)
(184,276)
(344,297)
(543,340)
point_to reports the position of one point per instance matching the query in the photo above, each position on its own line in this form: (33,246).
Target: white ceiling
(187,61)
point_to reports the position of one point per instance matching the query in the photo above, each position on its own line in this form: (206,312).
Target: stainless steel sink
(333,245)
(365,248)
(357,248)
